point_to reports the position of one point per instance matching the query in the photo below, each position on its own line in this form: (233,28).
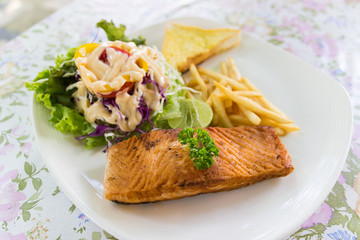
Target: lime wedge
(194,113)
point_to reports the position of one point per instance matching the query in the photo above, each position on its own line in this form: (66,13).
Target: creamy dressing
(148,54)
(129,108)
(104,77)
(152,99)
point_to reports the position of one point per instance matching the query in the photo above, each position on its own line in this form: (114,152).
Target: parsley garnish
(202,147)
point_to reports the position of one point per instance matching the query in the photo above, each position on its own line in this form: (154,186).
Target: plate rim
(102,223)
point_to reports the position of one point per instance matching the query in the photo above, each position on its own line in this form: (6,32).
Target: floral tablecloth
(322,32)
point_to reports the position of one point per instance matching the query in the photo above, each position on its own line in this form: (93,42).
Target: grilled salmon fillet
(156,167)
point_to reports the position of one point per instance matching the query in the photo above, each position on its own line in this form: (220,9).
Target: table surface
(17,16)
(324,33)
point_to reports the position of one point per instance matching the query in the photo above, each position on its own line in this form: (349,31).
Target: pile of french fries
(235,100)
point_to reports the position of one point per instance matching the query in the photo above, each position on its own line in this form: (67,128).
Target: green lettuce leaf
(50,89)
(118,33)
(173,94)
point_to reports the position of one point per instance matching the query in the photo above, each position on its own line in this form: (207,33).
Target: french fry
(215,120)
(210,87)
(220,110)
(206,78)
(279,131)
(218,77)
(235,74)
(270,106)
(229,110)
(201,82)
(230,73)
(236,109)
(235,100)
(253,118)
(224,68)
(197,88)
(191,83)
(216,91)
(288,127)
(238,119)
(250,85)
(223,82)
(250,104)
(228,103)
(246,93)
(189,94)
(264,101)
(234,71)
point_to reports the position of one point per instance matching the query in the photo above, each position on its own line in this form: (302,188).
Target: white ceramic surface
(268,210)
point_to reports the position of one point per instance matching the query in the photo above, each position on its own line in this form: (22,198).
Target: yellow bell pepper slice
(85,49)
(141,63)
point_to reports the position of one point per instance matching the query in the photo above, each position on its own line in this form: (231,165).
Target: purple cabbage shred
(147,80)
(139,130)
(116,140)
(99,131)
(145,112)
(77,76)
(143,108)
(109,101)
(91,98)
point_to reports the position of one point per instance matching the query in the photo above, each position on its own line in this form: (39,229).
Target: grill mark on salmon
(244,147)
(243,144)
(225,136)
(156,167)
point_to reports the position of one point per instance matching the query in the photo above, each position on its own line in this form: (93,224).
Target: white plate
(268,210)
